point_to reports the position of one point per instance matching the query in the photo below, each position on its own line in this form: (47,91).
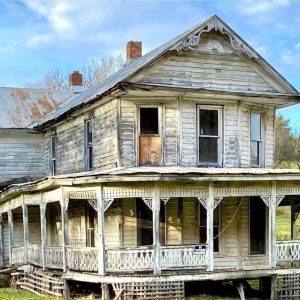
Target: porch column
(43,233)
(10,234)
(64,202)
(210,227)
(156,231)
(25,230)
(1,243)
(100,219)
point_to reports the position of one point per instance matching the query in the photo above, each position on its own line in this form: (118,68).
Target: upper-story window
(53,155)
(256,139)
(149,136)
(210,135)
(88,140)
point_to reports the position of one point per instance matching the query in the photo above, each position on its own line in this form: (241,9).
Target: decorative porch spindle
(25,230)
(43,233)
(64,202)
(100,218)
(10,234)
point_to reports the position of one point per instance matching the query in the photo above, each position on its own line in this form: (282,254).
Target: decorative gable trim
(216,24)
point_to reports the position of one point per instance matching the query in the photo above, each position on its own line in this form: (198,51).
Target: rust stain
(46,104)
(22,94)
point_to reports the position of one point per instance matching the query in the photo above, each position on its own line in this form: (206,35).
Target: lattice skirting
(38,282)
(288,287)
(149,290)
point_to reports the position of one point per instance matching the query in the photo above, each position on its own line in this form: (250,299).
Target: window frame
(53,158)
(220,136)
(88,146)
(261,142)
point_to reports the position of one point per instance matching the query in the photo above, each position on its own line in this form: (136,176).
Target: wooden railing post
(10,234)
(25,230)
(210,227)
(43,233)
(1,244)
(64,202)
(101,243)
(156,231)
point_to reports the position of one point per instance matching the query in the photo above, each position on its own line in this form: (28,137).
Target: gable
(211,64)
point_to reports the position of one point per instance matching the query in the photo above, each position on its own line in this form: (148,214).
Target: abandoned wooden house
(162,174)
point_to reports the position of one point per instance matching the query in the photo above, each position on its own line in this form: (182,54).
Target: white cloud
(253,7)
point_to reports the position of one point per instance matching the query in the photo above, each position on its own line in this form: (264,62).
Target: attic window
(149,120)
(53,155)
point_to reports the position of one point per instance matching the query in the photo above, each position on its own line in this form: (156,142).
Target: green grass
(10,294)
(283,224)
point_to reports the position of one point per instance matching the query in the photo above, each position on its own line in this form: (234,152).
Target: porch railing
(129,259)
(141,258)
(34,254)
(54,257)
(288,251)
(18,255)
(82,259)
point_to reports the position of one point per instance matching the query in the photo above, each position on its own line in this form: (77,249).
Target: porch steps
(149,290)
(288,287)
(39,282)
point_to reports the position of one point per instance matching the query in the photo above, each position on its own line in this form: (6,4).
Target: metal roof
(20,107)
(137,64)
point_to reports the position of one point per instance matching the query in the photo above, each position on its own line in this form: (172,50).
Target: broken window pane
(208,150)
(209,122)
(149,120)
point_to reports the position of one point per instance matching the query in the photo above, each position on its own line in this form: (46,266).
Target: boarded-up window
(53,155)
(88,145)
(210,135)
(256,137)
(149,136)
(257,220)
(203,227)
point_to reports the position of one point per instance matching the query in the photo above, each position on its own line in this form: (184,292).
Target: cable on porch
(230,221)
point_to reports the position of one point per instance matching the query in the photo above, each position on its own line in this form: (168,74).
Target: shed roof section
(20,107)
(179,43)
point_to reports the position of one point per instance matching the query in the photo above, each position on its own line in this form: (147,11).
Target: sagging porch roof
(152,174)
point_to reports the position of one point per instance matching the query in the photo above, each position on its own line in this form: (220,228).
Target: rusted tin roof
(19,107)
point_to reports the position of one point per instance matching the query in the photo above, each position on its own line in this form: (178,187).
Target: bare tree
(93,73)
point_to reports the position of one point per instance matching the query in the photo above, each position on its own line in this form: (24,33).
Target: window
(203,227)
(53,155)
(257,226)
(149,136)
(256,138)
(88,145)
(210,135)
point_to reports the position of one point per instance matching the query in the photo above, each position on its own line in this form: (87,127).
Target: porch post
(25,230)
(272,226)
(156,231)
(101,230)
(64,220)
(1,243)
(43,233)
(209,227)
(10,234)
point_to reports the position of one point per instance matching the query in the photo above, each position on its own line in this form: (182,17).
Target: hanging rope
(230,221)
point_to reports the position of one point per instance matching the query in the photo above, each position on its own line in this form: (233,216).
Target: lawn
(10,294)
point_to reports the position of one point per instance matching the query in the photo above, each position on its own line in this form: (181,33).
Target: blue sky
(42,35)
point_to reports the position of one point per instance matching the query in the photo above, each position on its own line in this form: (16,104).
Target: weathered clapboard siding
(21,154)
(269,138)
(70,141)
(127,131)
(18,234)
(244,132)
(129,221)
(113,225)
(34,225)
(218,68)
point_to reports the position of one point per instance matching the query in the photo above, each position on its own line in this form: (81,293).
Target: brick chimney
(75,82)
(133,50)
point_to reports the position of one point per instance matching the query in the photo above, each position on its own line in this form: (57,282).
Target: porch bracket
(217,201)
(279,199)
(148,202)
(165,200)
(203,201)
(107,203)
(93,203)
(266,199)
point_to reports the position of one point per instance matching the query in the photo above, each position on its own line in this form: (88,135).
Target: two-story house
(162,174)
